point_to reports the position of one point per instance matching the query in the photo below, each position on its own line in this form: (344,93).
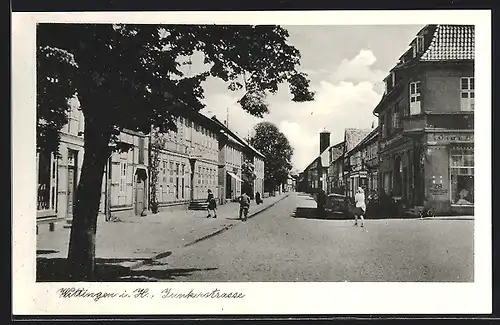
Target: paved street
(276,246)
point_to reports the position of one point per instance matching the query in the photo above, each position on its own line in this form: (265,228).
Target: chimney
(324,141)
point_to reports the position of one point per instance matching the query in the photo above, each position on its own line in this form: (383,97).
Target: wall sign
(452,137)
(438,191)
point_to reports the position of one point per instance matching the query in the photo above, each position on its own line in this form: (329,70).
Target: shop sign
(438,189)
(453,137)
(437,186)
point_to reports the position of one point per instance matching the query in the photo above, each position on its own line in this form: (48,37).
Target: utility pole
(227,117)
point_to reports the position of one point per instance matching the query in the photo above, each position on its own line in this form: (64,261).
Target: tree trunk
(81,254)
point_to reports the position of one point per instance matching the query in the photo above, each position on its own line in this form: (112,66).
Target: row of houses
(422,151)
(204,153)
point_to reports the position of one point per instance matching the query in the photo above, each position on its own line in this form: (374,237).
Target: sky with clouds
(346,66)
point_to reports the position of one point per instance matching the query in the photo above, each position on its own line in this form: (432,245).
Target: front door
(140,191)
(72,180)
(228,186)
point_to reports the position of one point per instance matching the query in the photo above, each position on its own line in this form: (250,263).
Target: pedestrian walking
(360,208)
(258,199)
(212,205)
(244,206)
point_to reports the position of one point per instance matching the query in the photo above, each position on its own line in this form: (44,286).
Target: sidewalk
(136,240)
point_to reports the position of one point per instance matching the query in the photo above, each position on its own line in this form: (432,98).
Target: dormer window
(418,46)
(390,82)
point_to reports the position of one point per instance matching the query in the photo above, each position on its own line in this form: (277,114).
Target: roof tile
(451,42)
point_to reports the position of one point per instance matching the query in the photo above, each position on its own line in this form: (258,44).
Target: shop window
(462,177)
(467,94)
(415,103)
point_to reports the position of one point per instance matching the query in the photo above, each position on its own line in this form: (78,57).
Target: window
(467,94)
(462,177)
(141,150)
(164,172)
(396,117)
(43,198)
(123,176)
(420,44)
(415,104)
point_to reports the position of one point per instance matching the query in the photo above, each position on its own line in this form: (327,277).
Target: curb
(447,218)
(215,233)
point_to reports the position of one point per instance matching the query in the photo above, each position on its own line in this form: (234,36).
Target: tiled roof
(233,135)
(451,42)
(369,137)
(354,136)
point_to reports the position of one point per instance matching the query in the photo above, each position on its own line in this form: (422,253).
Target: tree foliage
(276,147)
(129,76)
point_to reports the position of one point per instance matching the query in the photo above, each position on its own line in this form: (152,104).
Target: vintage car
(337,206)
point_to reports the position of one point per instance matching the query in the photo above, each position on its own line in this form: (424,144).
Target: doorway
(140,191)
(228,186)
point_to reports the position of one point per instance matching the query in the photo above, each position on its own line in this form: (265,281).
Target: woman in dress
(360,208)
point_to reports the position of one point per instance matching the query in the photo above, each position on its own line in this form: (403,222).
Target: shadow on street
(109,270)
(45,251)
(312,213)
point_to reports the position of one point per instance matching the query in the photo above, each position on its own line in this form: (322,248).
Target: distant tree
(247,176)
(275,146)
(128,77)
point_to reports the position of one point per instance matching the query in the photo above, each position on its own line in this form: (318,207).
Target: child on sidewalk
(212,205)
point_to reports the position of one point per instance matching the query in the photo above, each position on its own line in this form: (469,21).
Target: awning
(234,176)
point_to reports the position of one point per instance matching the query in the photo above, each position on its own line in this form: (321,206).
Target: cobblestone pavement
(134,240)
(277,246)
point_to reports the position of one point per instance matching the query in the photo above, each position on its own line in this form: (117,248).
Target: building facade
(363,163)
(351,175)
(315,175)
(335,184)
(125,180)
(233,151)
(426,120)
(58,175)
(258,183)
(188,160)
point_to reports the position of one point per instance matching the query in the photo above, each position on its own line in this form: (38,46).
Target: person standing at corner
(321,203)
(212,205)
(360,209)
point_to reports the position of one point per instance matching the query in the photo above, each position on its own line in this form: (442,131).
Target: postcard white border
(30,298)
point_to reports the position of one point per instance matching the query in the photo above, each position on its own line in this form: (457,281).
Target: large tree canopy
(275,146)
(129,76)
